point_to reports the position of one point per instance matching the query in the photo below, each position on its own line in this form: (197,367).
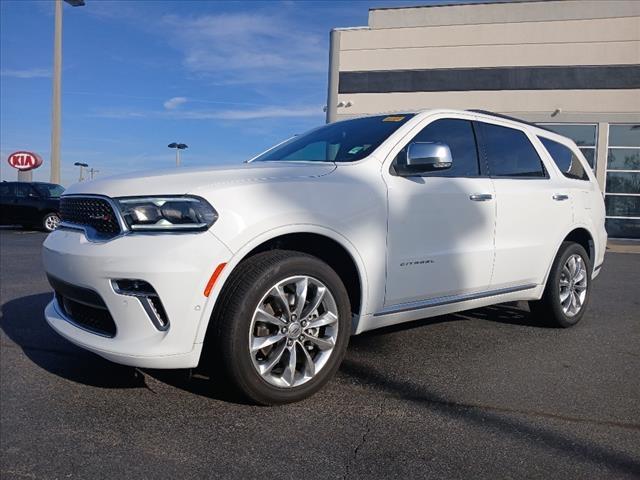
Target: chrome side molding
(438,301)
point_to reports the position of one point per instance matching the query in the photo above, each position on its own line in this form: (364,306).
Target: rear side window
(565,159)
(509,153)
(459,136)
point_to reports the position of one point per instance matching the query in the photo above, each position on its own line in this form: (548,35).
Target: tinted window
(6,189)
(565,159)
(49,190)
(23,190)
(624,159)
(623,182)
(509,152)
(584,135)
(624,135)
(458,135)
(345,141)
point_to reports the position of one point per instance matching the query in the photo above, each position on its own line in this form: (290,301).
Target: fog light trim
(148,298)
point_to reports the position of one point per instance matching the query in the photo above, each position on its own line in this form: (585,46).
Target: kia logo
(24,161)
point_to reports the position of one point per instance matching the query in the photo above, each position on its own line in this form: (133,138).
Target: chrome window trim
(439,301)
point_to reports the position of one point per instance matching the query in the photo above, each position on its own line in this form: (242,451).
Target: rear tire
(50,221)
(568,288)
(281,326)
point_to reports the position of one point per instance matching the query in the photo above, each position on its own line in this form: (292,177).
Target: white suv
(270,266)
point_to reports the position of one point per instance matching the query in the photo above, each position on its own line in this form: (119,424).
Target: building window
(622,188)
(584,134)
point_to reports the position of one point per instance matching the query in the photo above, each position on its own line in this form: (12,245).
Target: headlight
(179,213)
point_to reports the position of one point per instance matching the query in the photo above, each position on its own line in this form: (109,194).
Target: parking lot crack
(363,440)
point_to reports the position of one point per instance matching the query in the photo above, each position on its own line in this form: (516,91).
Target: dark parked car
(30,204)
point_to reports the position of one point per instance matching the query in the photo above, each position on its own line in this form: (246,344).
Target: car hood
(187,180)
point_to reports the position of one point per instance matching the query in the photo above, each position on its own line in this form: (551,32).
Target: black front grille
(93,212)
(84,307)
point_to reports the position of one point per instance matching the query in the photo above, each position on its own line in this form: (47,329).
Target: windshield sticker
(355,150)
(395,118)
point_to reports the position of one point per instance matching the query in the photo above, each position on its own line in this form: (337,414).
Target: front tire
(282,326)
(568,288)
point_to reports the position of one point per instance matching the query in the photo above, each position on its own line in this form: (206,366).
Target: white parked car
(270,266)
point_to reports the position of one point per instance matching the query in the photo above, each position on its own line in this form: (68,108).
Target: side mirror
(426,157)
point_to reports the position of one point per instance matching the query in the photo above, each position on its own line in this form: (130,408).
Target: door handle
(560,197)
(480,197)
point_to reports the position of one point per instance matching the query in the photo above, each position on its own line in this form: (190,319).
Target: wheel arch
(580,235)
(330,246)
(583,237)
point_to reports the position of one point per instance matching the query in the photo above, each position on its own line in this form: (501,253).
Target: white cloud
(229,114)
(257,113)
(174,102)
(248,47)
(27,73)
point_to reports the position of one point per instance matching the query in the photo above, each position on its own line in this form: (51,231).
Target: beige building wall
(549,33)
(562,61)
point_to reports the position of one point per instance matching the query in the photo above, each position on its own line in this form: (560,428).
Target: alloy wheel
(51,222)
(573,285)
(293,331)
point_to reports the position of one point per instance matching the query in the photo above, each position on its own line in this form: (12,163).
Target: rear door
(27,204)
(534,206)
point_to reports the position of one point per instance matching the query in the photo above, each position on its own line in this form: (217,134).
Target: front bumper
(177,266)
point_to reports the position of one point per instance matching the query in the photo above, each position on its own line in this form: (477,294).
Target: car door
(7,203)
(441,224)
(27,204)
(534,209)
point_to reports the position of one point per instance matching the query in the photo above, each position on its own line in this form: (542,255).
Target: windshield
(345,141)
(49,190)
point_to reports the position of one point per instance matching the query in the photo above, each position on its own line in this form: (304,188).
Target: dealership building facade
(572,66)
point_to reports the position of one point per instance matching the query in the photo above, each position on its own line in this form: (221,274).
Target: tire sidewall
(554,284)
(241,365)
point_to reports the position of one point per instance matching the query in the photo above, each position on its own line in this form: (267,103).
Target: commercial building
(570,65)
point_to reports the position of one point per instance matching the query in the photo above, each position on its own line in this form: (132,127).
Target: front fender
(241,253)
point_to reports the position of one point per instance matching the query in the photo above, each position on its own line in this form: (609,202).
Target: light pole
(81,165)
(57,85)
(178,147)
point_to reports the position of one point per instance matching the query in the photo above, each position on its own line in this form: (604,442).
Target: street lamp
(178,147)
(81,165)
(57,85)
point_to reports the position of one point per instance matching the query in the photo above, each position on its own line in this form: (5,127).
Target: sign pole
(25,176)
(56,107)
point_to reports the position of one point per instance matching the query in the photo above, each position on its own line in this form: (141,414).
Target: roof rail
(507,117)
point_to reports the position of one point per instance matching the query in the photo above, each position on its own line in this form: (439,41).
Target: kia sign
(24,161)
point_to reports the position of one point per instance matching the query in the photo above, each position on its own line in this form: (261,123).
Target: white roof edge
(455,4)
(341,29)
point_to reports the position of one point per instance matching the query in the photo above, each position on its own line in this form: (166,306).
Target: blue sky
(227,78)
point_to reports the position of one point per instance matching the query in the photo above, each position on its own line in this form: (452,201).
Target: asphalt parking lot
(484,394)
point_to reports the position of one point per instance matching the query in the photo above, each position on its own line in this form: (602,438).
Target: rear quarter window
(567,161)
